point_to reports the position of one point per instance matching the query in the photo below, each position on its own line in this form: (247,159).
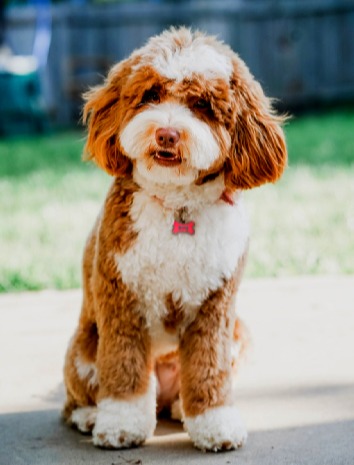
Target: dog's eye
(150,96)
(201,104)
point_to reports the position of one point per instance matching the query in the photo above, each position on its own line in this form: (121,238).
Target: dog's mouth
(166,158)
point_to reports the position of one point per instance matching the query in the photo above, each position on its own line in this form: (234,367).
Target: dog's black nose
(167,137)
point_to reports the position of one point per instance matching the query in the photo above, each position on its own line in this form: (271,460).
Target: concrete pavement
(295,389)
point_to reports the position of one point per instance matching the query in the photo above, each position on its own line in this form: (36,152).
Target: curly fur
(157,304)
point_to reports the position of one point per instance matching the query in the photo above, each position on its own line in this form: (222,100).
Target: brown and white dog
(184,128)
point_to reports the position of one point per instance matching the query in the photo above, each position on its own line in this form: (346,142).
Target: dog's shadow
(165,426)
(168,433)
(40,437)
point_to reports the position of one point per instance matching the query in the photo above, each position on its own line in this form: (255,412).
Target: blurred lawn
(303,225)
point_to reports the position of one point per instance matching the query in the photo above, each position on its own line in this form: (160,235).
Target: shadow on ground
(39,437)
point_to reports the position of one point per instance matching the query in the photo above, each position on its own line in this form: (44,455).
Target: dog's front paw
(219,428)
(121,424)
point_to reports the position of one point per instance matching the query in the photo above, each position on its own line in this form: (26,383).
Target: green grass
(48,201)
(303,225)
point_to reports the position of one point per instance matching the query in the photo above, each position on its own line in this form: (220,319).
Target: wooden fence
(302,51)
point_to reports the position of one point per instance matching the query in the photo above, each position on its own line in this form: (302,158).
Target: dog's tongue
(226,196)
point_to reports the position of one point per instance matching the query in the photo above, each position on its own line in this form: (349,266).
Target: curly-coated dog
(183,128)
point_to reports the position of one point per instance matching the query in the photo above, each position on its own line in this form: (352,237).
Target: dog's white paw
(219,428)
(84,418)
(122,423)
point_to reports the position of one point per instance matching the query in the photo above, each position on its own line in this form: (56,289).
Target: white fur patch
(84,418)
(188,267)
(198,58)
(163,342)
(217,428)
(123,423)
(86,371)
(180,53)
(138,137)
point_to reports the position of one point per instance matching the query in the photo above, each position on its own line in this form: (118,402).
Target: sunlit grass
(302,225)
(48,221)
(305,223)
(47,208)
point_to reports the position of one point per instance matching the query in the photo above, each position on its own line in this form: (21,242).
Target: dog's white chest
(186,266)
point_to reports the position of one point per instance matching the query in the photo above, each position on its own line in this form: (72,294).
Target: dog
(183,128)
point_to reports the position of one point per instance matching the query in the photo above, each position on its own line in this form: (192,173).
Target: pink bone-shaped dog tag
(183,228)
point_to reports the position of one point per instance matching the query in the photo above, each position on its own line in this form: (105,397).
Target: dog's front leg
(126,413)
(210,418)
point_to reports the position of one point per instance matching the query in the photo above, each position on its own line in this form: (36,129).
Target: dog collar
(227,197)
(182,224)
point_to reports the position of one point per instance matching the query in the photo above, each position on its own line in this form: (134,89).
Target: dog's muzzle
(167,139)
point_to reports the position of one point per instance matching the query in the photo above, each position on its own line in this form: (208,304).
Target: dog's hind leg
(80,376)
(80,372)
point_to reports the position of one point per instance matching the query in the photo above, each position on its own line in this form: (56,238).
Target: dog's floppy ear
(258,152)
(102,115)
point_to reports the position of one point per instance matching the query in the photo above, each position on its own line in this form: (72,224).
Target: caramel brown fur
(204,354)
(182,136)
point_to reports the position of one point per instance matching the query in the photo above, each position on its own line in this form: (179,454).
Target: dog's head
(181,110)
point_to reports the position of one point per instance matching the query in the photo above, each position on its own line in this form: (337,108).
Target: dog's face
(181,110)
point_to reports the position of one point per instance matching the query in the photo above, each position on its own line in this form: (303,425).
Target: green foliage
(304,224)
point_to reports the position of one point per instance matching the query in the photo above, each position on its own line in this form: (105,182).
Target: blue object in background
(22,80)
(21,108)
(43,32)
